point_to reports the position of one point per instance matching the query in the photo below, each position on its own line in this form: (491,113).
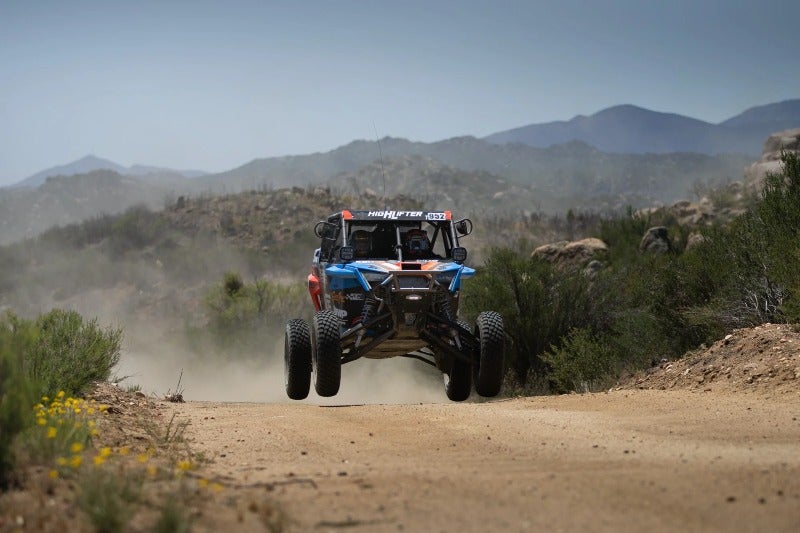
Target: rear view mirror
(324,230)
(464,226)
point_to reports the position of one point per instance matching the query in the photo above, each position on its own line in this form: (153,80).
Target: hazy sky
(212,85)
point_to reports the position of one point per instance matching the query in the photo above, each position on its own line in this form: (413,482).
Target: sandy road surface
(620,461)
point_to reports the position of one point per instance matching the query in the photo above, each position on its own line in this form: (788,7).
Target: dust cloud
(158,369)
(158,303)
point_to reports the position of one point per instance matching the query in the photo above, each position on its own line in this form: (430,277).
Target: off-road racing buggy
(387,284)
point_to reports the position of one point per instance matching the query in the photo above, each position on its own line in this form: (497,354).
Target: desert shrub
(108,499)
(538,303)
(623,235)
(69,353)
(16,394)
(57,352)
(232,284)
(777,222)
(244,317)
(134,229)
(582,362)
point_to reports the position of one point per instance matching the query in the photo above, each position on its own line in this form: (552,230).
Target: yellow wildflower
(53,474)
(105,452)
(216,487)
(60,394)
(41,421)
(61,461)
(183,466)
(76,461)
(142,457)
(202,483)
(124,450)
(76,447)
(152,470)
(99,460)
(51,432)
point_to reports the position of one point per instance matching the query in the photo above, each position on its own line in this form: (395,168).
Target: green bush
(243,317)
(70,353)
(16,395)
(538,303)
(582,362)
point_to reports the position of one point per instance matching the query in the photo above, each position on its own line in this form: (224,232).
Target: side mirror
(464,226)
(324,230)
(459,254)
(347,253)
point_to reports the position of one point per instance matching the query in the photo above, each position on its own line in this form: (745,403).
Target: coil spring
(445,309)
(368,311)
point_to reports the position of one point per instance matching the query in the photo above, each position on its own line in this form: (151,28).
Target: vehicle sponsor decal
(354,296)
(337,297)
(341,313)
(394,215)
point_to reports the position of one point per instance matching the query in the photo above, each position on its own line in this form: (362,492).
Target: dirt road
(618,461)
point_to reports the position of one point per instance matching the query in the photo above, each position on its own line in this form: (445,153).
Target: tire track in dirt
(621,461)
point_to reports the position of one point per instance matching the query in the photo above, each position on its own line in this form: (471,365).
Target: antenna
(383,170)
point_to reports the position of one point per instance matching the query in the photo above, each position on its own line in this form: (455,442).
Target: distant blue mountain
(635,130)
(90,163)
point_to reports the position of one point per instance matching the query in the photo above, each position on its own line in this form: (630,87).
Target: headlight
(445,279)
(373,277)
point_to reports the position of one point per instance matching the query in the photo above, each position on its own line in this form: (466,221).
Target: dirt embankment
(763,359)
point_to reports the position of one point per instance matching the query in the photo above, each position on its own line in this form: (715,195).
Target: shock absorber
(445,308)
(370,306)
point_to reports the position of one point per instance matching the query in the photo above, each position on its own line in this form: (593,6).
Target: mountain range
(90,163)
(635,130)
(648,158)
(622,129)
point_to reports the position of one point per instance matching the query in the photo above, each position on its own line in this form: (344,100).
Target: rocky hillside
(268,219)
(575,172)
(25,212)
(770,162)
(465,174)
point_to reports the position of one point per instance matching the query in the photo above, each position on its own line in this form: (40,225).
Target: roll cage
(387,229)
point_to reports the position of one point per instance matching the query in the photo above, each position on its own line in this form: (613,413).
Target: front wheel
(488,368)
(297,359)
(458,381)
(327,354)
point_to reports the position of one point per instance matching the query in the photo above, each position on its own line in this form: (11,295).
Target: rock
(694,240)
(770,162)
(550,251)
(593,268)
(656,240)
(575,254)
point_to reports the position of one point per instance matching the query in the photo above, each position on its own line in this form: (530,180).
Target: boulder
(656,240)
(770,161)
(694,240)
(575,254)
